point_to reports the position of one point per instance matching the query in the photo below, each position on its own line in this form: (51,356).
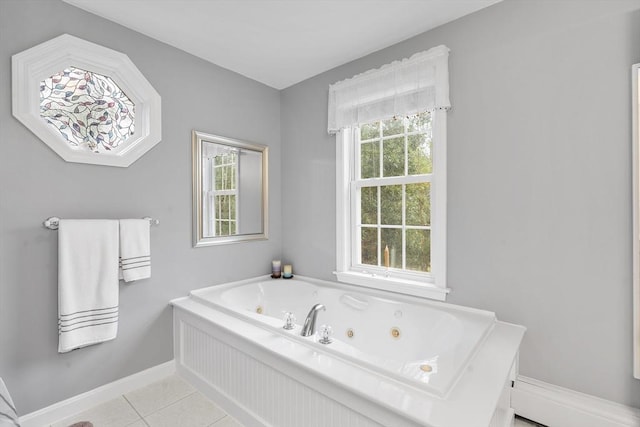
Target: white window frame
(429,285)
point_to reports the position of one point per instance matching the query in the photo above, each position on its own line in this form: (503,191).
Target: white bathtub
(435,341)
(445,365)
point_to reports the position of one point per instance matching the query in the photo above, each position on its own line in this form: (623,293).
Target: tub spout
(309,327)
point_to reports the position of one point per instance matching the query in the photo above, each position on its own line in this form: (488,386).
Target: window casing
(400,216)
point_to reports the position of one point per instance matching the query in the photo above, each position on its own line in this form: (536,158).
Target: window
(393,194)
(88,103)
(392,205)
(390,126)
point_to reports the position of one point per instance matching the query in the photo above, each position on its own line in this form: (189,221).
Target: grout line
(170,404)
(218,420)
(134,408)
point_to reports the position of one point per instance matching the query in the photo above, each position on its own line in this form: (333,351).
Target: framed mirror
(230,190)
(635,112)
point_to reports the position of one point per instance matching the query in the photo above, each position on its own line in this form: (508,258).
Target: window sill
(393,284)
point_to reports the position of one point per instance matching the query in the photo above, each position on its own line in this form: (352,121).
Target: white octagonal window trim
(89,136)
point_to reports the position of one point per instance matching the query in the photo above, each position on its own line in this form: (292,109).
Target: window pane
(419,250)
(233,228)
(393,157)
(232,201)
(369,246)
(392,127)
(419,154)
(419,123)
(233,173)
(222,207)
(218,178)
(370,131)
(369,205)
(391,204)
(89,110)
(229,177)
(392,238)
(224,228)
(418,204)
(223,178)
(370,160)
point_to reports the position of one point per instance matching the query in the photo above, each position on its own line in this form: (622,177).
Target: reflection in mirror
(229,190)
(635,108)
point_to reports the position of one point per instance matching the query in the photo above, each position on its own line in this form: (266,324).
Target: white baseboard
(556,406)
(82,402)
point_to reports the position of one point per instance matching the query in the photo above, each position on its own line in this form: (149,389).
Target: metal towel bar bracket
(53,222)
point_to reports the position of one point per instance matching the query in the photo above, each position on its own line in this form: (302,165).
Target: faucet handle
(325,333)
(289,321)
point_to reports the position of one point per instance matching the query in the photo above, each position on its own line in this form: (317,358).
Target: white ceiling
(281,42)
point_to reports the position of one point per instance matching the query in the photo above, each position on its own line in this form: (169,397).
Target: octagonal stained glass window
(89,110)
(88,103)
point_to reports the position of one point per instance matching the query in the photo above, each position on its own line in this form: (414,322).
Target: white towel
(87,282)
(135,249)
(8,415)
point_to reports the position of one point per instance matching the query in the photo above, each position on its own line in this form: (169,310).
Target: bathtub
(393,360)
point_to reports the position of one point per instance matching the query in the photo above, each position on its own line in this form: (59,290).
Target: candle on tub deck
(287,270)
(275,268)
(386,256)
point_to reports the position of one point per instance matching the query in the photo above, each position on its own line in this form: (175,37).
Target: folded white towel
(87,282)
(8,415)
(135,249)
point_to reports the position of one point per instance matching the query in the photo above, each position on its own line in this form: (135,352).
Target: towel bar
(53,222)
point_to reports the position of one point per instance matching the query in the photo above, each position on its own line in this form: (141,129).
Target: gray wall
(35,183)
(539,212)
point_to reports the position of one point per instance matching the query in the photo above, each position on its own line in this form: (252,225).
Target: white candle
(287,270)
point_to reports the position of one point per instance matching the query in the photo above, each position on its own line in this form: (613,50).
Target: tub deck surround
(273,378)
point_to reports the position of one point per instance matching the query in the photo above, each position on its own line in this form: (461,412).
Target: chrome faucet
(309,327)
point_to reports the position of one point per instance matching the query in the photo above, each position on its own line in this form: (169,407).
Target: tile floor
(170,402)
(522,422)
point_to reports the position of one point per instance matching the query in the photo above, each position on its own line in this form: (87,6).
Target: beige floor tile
(192,411)
(139,423)
(524,423)
(158,395)
(227,422)
(114,413)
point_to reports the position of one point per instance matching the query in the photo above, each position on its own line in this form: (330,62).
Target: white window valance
(414,85)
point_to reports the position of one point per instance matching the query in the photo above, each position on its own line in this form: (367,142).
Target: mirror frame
(635,113)
(199,240)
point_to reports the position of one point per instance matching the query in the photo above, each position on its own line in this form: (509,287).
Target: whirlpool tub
(393,360)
